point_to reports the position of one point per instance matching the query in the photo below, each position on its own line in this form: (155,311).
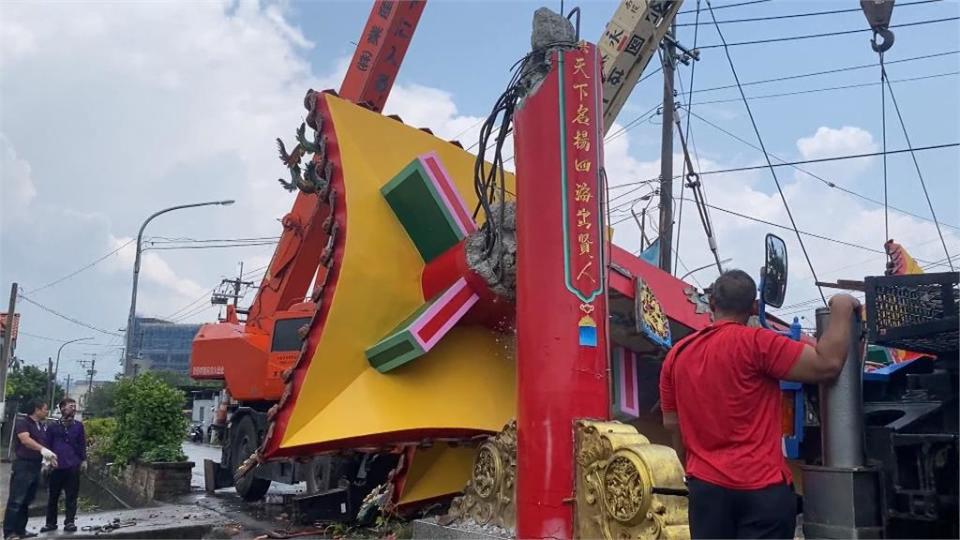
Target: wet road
(199,452)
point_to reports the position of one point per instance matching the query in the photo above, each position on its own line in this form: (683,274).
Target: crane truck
(251,349)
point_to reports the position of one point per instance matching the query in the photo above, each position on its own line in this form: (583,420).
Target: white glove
(48,455)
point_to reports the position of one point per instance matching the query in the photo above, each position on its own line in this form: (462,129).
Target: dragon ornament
(621,479)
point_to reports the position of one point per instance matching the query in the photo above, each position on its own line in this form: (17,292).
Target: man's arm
(673,426)
(83,443)
(27,440)
(825,361)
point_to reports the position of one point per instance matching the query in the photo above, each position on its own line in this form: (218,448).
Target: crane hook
(885,43)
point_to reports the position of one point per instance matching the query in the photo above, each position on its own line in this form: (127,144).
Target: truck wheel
(244,442)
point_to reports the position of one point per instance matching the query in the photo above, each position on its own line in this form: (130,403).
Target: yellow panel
(467,381)
(440,470)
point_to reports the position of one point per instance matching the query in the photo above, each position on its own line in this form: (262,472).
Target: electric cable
(828,183)
(916,164)
(725,6)
(82,268)
(783,227)
(829,88)
(825,34)
(66,317)
(683,172)
(655,109)
(807,14)
(843,69)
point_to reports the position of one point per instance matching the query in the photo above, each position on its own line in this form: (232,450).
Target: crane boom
(628,43)
(368,81)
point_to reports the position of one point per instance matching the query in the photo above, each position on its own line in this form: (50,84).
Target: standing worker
(720,388)
(30,450)
(69,442)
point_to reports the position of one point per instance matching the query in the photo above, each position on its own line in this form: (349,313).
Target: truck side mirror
(774,280)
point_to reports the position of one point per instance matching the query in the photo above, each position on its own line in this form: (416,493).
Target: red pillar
(561,285)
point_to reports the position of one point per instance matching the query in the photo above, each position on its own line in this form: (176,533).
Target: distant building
(160,345)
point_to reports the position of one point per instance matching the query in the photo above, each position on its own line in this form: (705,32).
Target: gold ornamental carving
(618,477)
(489,495)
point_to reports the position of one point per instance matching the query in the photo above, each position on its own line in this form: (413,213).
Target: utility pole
(666,155)
(222,296)
(90,372)
(66,392)
(7,350)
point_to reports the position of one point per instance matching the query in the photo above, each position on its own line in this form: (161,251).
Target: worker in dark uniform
(720,395)
(30,448)
(68,440)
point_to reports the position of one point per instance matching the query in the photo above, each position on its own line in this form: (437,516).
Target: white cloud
(17,190)
(113,111)
(829,142)
(816,208)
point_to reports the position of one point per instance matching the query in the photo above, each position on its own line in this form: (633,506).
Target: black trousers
(24,479)
(68,481)
(719,512)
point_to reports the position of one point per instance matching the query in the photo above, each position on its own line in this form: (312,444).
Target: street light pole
(136,272)
(56,369)
(699,268)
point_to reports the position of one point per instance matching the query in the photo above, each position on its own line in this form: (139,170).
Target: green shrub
(150,422)
(101,433)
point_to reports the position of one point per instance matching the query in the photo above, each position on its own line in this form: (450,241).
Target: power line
(829,88)
(756,130)
(824,181)
(739,4)
(67,317)
(81,269)
(181,240)
(916,164)
(807,14)
(780,226)
(827,71)
(655,109)
(825,34)
(220,246)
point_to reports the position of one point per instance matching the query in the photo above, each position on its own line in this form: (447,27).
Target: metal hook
(885,44)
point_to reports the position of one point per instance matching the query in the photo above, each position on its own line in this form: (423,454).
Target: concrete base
(429,529)
(164,522)
(846,503)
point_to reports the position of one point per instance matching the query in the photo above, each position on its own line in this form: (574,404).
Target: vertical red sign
(562,367)
(380,51)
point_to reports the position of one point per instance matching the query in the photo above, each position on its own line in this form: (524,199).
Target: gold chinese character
(584,272)
(582,193)
(581,140)
(583,216)
(581,117)
(581,91)
(582,165)
(583,46)
(586,244)
(578,65)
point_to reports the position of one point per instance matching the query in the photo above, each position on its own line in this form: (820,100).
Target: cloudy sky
(110,111)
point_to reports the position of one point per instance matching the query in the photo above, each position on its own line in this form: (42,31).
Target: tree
(26,383)
(184,382)
(150,421)
(99,402)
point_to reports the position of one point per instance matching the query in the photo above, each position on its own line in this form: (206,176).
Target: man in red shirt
(720,387)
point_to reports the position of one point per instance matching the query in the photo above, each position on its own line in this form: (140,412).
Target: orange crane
(251,355)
